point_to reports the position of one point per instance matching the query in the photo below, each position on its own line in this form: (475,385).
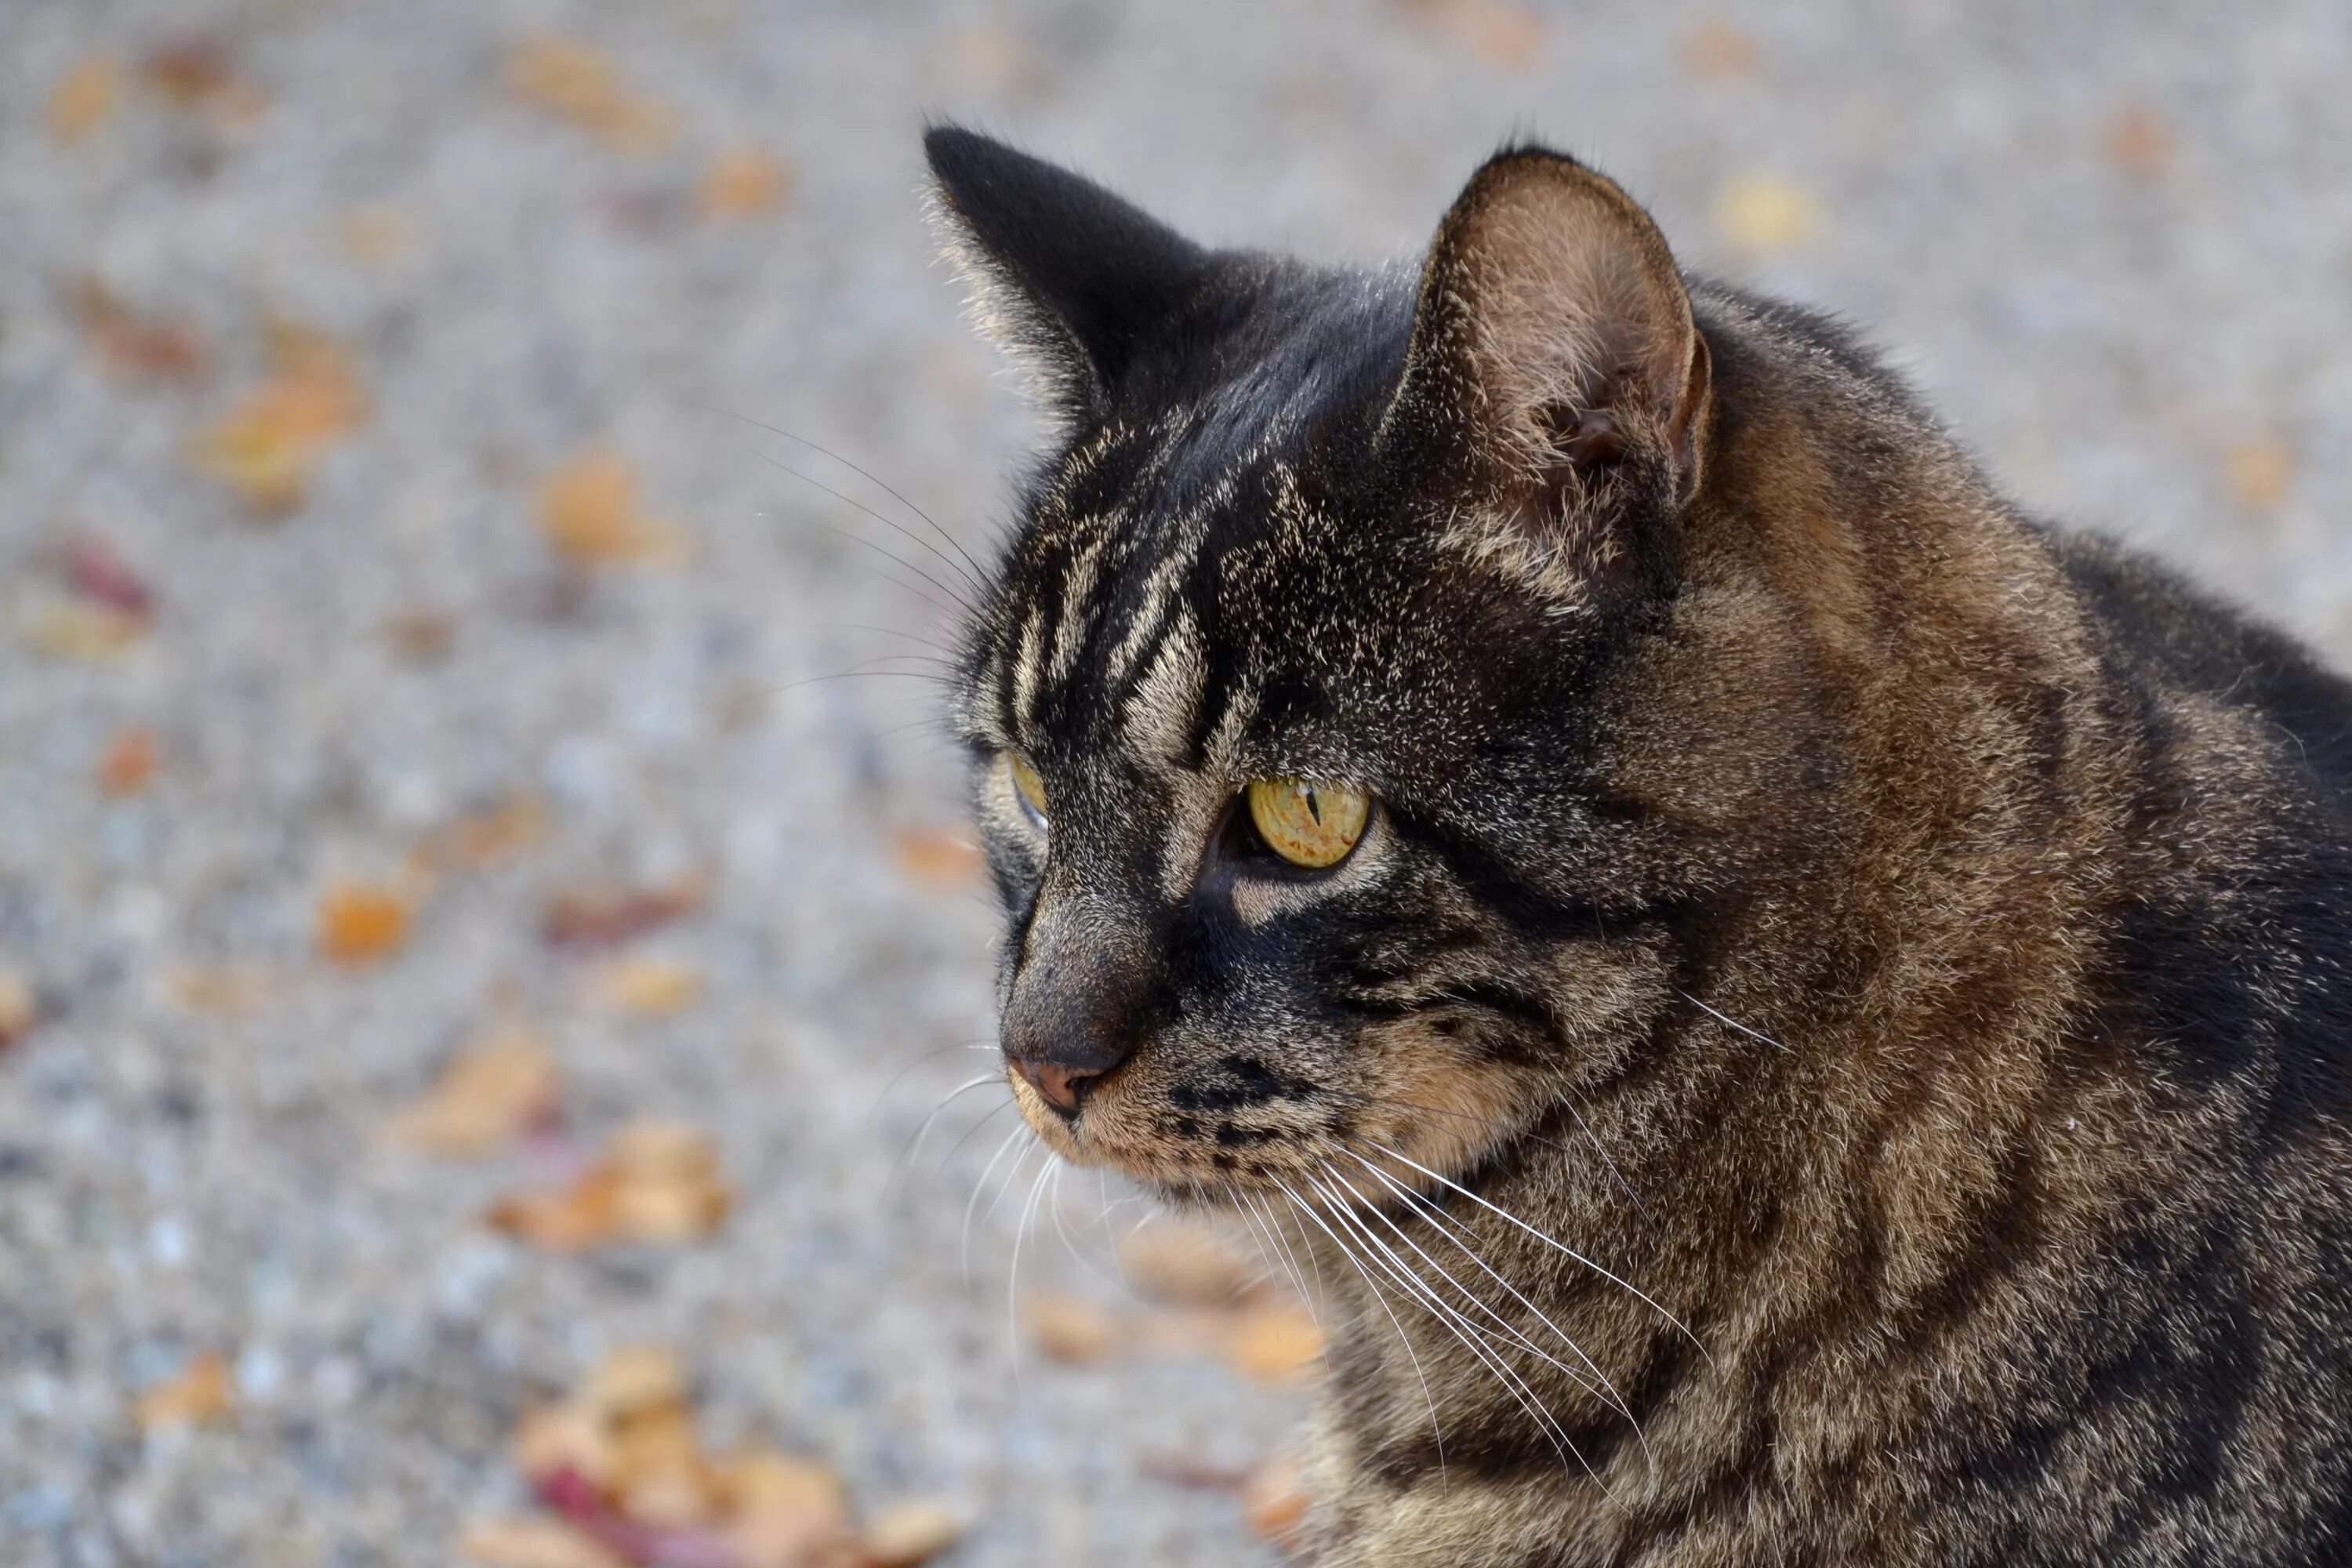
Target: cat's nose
(1062,1087)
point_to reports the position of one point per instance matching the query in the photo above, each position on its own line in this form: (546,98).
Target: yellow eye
(1306,822)
(1025,782)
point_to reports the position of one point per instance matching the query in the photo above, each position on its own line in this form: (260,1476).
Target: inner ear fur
(1553,335)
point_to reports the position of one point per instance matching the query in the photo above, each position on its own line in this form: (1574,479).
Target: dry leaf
(486,836)
(1277,1343)
(650,986)
(1275,1502)
(200,1393)
(567,1437)
(632,1380)
(532,1543)
(485,1096)
(581,85)
(660,1183)
(373,236)
(743,183)
(1187,1265)
(1071,1329)
(593,918)
(133,346)
(130,762)
(660,1477)
(1503,34)
(68,629)
(362,924)
(98,573)
(937,856)
(2139,141)
(267,446)
(785,1512)
(588,511)
(225,991)
(2261,471)
(421,636)
(1717,50)
(1763,213)
(908,1534)
(20,1007)
(85,99)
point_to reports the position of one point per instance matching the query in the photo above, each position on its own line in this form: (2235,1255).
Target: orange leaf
(588,511)
(660,1184)
(593,918)
(1275,1502)
(1763,213)
(647,987)
(200,1393)
(1274,1344)
(532,1543)
(20,1007)
(2262,472)
(743,183)
(484,1097)
(129,763)
(2139,141)
(84,98)
(134,346)
(581,85)
(908,1534)
(267,446)
(1187,1265)
(785,1512)
(1071,1329)
(362,924)
(1717,50)
(486,836)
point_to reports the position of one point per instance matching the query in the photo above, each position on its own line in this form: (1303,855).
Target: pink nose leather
(1061,1086)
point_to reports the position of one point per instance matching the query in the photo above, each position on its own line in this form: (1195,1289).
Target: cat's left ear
(1067,277)
(1553,342)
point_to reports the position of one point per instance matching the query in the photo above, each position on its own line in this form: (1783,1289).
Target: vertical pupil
(1314,808)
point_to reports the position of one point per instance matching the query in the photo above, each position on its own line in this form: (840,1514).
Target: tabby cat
(1797,1014)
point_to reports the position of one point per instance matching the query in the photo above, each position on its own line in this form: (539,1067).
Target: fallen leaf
(647,987)
(485,1096)
(98,573)
(594,918)
(225,991)
(2262,472)
(68,629)
(743,183)
(421,636)
(1503,34)
(1275,1502)
(937,856)
(785,1512)
(1275,1343)
(588,511)
(995,62)
(200,1393)
(581,86)
(1187,1265)
(374,235)
(1072,1330)
(908,1534)
(486,836)
(134,346)
(1763,213)
(632,1380)
(361,923)
(532,1543)
(658,1183)
(84,98)
(20,1007)
(267,445)
(130,762)
(1717,50)
(2139,141)
(660,1478)
(567,1437)
(190,72)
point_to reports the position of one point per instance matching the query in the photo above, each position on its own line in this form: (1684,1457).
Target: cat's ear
(1553,345)
(1065,275)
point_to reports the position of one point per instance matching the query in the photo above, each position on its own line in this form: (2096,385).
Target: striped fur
(1835,1046)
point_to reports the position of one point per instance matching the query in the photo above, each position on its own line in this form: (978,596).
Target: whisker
(1724,1018)
(1557,1245)
(912,539)
(882,484)
(1436,1429)
(980,1186)
(914,1148)
(1012,1276)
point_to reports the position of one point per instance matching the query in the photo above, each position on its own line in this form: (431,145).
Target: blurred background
(484,915)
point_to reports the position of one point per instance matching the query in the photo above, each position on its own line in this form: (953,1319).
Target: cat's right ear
(1553,348)
(1067,277)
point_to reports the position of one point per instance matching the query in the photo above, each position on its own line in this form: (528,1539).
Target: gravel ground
(2117,250)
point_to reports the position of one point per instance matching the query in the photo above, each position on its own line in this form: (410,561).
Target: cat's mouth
(1234,1124)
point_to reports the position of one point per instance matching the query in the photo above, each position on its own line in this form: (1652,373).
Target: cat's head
(1321,752)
